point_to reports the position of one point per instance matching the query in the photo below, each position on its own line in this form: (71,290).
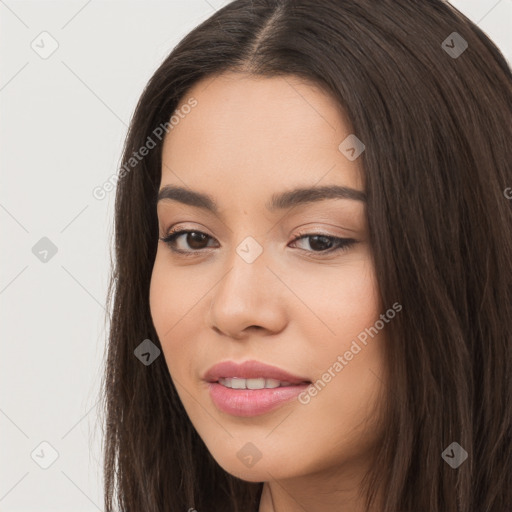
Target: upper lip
(250,370)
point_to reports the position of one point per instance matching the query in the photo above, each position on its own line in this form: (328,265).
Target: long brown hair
(433,110)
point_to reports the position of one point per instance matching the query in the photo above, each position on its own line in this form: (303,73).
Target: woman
(312,291)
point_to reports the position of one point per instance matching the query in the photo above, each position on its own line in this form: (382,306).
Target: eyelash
(342,243)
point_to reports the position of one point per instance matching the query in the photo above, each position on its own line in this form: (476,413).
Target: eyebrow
(281,201)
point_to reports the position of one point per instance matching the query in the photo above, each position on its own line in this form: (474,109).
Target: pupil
(324,239)
(196,244)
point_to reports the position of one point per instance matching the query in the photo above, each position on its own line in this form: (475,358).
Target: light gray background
(63,120)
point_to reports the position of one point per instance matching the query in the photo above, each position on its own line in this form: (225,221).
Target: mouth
(257,383)
(251,388)
(251,375)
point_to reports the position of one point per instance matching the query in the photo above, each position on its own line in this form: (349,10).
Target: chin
(262,470)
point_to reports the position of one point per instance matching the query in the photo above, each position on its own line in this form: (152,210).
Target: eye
(196,240)
(325,244)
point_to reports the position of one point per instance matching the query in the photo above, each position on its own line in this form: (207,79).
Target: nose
(249,298)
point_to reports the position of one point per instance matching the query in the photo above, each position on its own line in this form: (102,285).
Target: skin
(294,307)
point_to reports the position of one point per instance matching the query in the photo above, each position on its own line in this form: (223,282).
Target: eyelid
(311,231)
(178,227)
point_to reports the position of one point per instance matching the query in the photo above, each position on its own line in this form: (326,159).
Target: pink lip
(250,370)
(251,402)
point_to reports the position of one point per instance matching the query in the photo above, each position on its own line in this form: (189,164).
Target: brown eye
(186,241)
(324,244)
(196,239)
(320,243)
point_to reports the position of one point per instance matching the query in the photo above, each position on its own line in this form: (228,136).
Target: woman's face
(247,288)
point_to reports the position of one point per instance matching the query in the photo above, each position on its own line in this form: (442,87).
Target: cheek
(161,294)
(343,305)
(177,306)
(354,312)
(174,296)
(347,361)
(168,311)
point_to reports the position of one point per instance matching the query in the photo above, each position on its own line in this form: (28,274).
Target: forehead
(260,133)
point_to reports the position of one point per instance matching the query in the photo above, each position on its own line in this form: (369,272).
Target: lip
(250,370)
(251,402)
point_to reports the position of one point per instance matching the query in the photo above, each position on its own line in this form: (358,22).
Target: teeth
(254,383)
(271,383)
(236,383)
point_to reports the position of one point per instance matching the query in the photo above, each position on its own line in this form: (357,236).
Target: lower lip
(252,402)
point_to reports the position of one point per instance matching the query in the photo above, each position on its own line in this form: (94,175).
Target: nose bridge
(247,274)
(247,294)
